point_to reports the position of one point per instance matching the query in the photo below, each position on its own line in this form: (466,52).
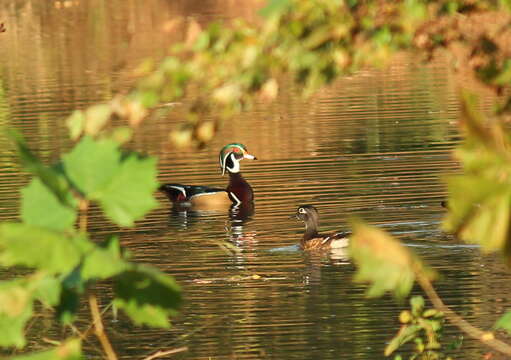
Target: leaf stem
(161,353)
(99,329)
(485,337)
(84,208)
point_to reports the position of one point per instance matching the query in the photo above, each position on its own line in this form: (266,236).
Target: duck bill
(248,156)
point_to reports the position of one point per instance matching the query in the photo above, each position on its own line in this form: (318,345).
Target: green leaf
(130,194)
(68,305)
(202,41)
(104,263)
(121,134)
(473,121)
(82,243)
(47,290)
(96,117)
(36,247)
(505,4)
(504,77)
(275,7)
(479,210)
(149,98)
(91,165)
(417,305)
(55,181)
(227,93)
(383,262)
(15,311)
(147,295)
(75,123)
(69,350)
(41,207)
(504,322)
(405,334)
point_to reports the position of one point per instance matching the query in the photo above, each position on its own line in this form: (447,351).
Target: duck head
(231,155)
(307,214)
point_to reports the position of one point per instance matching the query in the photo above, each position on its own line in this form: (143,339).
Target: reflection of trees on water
(61,58)
(56,59)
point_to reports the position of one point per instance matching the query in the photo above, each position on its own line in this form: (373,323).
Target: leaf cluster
(383,262)
(480,198)
(61,260)
(423,328)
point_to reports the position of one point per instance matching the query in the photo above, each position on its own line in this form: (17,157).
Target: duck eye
(301,210)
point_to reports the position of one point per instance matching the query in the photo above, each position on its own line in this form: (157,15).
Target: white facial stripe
(236,164)
(235,198)
(223,163)
(180,188)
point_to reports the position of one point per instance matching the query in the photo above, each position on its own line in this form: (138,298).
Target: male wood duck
(312,239)
(237,192)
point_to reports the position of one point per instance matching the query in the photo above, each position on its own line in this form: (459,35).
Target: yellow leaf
(487,336)
(192,32)
(270,89)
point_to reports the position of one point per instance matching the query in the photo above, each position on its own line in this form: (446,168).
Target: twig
(161,353)
(485,337)
(84,207)
(89,329)
(99,328)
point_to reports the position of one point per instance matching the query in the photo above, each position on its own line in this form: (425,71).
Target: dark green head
(231,155)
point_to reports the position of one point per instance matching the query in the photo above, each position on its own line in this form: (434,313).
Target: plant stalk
(485,337)
(99,329)
(84,208)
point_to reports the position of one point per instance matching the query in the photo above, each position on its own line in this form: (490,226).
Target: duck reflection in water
(185,217)
(239,215)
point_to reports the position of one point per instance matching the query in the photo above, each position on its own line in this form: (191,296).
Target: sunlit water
(374,145)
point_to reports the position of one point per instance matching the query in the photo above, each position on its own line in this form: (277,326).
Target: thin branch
(99,329)
(161,353)
(485,337)
(84,207)
(90,328)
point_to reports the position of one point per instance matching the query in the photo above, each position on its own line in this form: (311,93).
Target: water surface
(374,145)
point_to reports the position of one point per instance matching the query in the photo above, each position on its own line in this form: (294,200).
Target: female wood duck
(312,239)
(237,192)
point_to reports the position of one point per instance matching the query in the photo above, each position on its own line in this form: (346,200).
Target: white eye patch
(301,210)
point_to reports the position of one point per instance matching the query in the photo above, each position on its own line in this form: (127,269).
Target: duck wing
(180,192)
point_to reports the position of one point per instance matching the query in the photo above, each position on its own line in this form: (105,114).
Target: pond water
(374,145)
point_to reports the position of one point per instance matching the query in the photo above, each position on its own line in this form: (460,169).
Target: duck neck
(236,180)
(240,188)
(311,230)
